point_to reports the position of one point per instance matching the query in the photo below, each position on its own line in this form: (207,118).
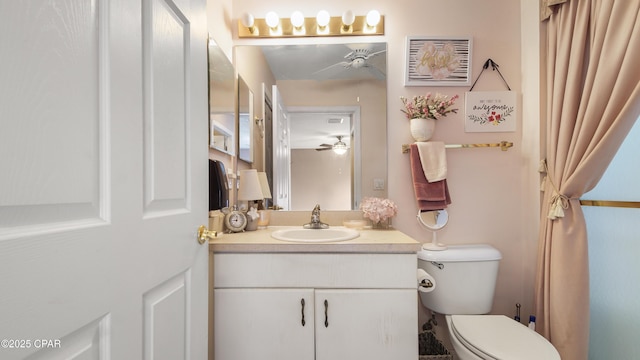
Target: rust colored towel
(430,196)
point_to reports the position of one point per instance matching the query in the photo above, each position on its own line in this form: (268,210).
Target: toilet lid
(499,337)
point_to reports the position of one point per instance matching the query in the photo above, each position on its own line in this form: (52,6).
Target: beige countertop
(260,241)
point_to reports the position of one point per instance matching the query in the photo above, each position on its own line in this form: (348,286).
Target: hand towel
(430,196)
(433,159)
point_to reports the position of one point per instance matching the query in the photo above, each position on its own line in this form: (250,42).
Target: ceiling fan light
(323,18)
(297,19)
(340,149)
(373,18)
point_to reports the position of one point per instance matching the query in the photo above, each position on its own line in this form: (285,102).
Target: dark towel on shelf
(430,196)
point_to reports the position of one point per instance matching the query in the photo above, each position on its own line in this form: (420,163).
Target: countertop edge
(370,241)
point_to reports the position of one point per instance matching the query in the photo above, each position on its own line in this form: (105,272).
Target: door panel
(366,324)
(166,36)
(52,86)
(264,324)
(103,133)
(281,153)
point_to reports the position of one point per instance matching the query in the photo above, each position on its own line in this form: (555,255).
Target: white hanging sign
(490,111)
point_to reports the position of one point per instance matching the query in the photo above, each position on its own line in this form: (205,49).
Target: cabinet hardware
(302,303)
(326,313)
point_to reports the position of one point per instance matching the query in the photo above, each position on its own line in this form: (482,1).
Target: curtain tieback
(559,202)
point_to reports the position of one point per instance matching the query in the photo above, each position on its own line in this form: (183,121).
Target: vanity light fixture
(322,19)
(297,20)
(373,18)
(273,22)
(348,17)
(248,21)
(323,24)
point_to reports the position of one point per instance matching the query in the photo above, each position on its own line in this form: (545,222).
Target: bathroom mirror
(222,94)
(433,220)
(338,78)
(245,128)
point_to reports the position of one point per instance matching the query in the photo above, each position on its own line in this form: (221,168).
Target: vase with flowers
(379,211)
(423,111)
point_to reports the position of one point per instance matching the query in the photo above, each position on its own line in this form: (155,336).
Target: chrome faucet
(315,220)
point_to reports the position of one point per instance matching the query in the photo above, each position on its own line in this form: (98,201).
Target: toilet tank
(465,277)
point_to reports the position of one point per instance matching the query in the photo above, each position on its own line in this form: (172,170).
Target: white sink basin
(315,235)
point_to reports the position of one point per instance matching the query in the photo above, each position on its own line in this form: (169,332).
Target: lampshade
(249,188)
(264,184)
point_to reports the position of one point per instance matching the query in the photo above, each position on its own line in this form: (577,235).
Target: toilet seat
(499,337)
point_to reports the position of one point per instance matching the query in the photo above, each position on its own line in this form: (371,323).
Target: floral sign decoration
(490,111)
(438,61)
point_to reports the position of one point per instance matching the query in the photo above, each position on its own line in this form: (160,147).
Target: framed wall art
(490,111)
(438,61)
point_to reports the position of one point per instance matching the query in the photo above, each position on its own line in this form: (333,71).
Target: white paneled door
(281,153)
(103,179)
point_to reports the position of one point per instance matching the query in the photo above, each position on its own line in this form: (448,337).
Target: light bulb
(272,19)
(247,20)
(323,18)
(373,18)
(297,19)
(348,18)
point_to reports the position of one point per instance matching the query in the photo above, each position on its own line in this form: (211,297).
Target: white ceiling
(310,130)
(325,61)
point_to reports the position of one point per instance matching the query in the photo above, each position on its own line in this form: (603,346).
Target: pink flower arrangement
(378,209)
(428,106)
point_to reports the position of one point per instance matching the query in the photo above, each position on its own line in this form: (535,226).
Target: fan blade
(323,149)
(376,72)
(342,63)
(325,145)
(375,53)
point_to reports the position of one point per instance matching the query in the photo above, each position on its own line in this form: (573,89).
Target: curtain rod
(503,145)
(611,203)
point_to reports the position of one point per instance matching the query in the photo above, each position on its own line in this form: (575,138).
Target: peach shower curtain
(593,100)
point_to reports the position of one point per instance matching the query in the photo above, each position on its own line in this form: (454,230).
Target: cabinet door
(366,324)
(263,324)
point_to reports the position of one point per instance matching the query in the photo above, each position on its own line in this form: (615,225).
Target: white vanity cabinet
(300,306)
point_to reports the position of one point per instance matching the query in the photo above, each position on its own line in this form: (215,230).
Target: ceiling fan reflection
(340,147)
(358,59)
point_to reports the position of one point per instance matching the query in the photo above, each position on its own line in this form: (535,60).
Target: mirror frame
(244,118)
(221,138)
(440,219)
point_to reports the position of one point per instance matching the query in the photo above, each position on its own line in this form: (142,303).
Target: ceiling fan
(358,59)
(339,147)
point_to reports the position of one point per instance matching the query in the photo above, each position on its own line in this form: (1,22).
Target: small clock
(235,220)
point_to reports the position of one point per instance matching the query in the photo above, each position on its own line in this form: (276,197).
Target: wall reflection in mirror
(222,100)
(330,101)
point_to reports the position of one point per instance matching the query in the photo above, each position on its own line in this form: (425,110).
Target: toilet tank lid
(458,253)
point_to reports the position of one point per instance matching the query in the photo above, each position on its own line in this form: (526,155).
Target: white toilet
(464,284)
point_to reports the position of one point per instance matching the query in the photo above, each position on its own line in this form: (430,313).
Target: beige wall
(320,172)
(494,193)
